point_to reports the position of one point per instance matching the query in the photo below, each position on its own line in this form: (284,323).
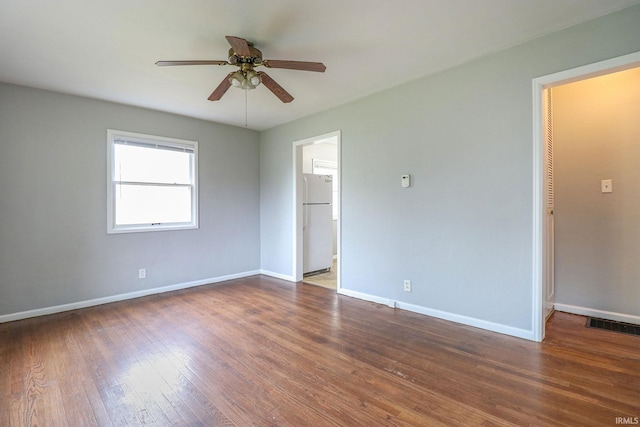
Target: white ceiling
(107,49)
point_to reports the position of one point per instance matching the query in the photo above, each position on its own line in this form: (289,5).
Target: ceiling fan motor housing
(254,59)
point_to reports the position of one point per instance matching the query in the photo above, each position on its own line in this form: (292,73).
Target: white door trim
(297,203)
(608,66)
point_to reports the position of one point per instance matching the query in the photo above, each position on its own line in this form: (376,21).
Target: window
(152,183)
(328,167)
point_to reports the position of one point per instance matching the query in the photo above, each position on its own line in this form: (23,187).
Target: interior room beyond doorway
(321,158)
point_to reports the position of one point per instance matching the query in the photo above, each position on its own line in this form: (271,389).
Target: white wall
(597,136)
(463,232)
(322,151)
(54,248)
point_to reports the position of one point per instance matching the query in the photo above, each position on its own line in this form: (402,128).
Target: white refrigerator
(317,222)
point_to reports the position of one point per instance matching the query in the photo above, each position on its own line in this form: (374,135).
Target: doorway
(319,155)
(543,264)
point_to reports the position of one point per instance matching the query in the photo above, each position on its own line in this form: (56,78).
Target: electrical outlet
(407,285)
(142,273)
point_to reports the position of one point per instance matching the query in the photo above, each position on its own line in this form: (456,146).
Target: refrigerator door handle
(304,202)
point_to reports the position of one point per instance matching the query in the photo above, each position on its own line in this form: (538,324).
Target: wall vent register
(612,325)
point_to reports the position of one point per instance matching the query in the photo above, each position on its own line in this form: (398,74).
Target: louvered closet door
(549,202)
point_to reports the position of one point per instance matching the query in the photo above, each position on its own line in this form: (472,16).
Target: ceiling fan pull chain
(246,114)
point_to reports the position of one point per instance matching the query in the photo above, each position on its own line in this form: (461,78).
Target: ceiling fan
(247,57)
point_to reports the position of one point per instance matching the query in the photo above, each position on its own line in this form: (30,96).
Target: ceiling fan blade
(274,87)
(295,65)
(240,45)
(196,62)
(222,88)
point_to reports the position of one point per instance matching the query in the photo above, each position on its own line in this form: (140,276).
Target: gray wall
(463,232)
(597,136)
(54,248)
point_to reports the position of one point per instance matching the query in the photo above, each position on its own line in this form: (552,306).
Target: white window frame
(160,141)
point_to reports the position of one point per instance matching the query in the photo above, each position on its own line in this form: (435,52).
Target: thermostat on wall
(406,181)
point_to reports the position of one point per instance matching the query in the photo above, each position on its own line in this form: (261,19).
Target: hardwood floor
(260,351)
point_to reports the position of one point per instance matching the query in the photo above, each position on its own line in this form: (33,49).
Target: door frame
(297,257)
(540,247)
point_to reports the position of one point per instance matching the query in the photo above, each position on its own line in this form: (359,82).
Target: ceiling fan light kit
(246,57)
(246,80)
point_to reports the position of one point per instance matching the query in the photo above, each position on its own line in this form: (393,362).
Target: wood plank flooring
(260,351)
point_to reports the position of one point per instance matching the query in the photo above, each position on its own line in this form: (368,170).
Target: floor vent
(612,325)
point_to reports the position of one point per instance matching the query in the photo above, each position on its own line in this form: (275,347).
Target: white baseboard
(592,312)
(367,297)
(120,297)
(288,278)
(465,320)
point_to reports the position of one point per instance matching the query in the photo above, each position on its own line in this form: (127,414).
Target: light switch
(607,186)
(406,181)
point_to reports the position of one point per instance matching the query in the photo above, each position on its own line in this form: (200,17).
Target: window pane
(142,164)
(142,204)
(153,183)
